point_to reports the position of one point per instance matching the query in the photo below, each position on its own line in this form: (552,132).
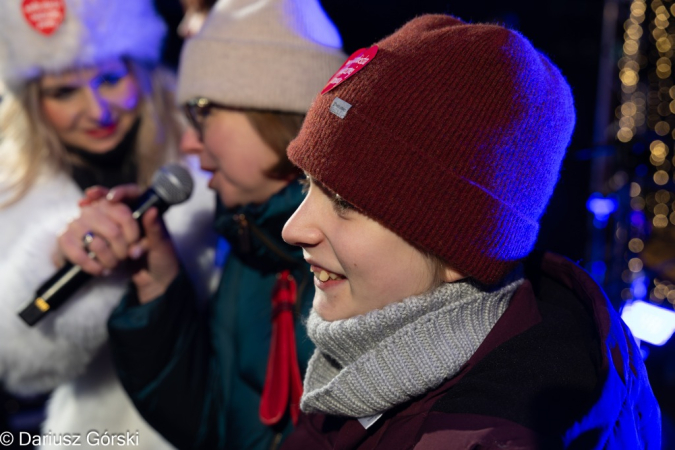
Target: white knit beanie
(49,36)
(271,55)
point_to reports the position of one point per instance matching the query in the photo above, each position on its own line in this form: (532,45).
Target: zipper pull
(244,233)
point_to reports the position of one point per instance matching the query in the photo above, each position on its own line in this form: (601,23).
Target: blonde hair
(29,145)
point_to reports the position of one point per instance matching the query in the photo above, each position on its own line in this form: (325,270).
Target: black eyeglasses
(198,109)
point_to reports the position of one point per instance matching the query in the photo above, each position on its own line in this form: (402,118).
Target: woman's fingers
(114,223)
(58,259)
(99,250)
(92,194)
(112,231)
(138,249)
(72,247)
(124,193)
(161,262)
(154,228)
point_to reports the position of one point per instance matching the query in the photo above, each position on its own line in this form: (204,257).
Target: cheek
(240,164)
(61,115)
(125,95)
(218,149)
(388,271)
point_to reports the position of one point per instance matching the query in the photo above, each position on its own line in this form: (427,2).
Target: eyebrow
(49,91)
(56,85)
(320,185)
(334,197)
(75,82)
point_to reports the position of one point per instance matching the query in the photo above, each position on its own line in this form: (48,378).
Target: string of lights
(645,131)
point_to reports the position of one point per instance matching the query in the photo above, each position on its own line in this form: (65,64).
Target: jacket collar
(254,231)
(619,367)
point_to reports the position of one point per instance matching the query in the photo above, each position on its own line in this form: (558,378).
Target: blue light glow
(649,323)
(639,288)
(637,219)
(601,207)
(313,23)
(598,269)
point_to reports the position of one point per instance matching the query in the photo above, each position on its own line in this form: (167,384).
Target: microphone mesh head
(173,183)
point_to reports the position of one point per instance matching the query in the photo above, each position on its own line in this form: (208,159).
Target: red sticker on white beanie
(354,63)
(44,16)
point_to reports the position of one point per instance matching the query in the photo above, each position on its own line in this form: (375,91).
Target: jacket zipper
(243,231)
(276,441)
(245,226)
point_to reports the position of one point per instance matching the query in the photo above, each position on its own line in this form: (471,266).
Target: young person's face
(91,109)
(237,156)
(358,264)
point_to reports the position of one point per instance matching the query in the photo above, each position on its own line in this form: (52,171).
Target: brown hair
(437,266)
(277,130)
(199,5)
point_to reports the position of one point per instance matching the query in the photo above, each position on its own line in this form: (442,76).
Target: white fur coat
(66,352)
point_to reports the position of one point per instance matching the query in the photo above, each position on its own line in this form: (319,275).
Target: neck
(112,168)
(254,231)
(366,365)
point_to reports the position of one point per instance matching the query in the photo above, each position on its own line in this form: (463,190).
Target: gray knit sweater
(367,364)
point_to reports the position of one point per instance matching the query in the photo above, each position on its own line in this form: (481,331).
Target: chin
(97,145)
(98,148)
(226,200)
(229,197)
(327,311)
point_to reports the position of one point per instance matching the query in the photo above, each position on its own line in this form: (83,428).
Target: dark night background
(569,33)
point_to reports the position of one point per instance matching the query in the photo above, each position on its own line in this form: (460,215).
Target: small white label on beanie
(340,107)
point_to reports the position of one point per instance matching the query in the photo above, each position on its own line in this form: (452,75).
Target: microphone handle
(147,201)
(66,281)
(53,292)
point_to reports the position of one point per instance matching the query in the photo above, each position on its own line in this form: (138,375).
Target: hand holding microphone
(108,232)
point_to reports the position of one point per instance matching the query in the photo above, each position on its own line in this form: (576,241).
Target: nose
(97,108)
(302,229)
(191,23)
(190,142)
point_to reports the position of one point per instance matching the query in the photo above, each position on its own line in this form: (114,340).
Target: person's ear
(449,275)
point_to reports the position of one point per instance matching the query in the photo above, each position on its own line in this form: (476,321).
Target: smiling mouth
(103,131)
(324,275)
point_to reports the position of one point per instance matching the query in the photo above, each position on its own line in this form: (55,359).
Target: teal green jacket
(197,377)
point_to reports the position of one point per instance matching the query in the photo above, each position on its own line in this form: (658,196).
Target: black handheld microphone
(171,184)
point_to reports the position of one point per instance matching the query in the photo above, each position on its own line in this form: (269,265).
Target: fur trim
(26,353)
(61,351)
(92,31)
(75,408)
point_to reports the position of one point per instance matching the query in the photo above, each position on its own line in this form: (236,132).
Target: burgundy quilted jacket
(558,370)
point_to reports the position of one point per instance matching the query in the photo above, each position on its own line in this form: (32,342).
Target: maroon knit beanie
(452,136)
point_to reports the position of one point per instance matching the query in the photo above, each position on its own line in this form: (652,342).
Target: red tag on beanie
(354,63)
(44,16)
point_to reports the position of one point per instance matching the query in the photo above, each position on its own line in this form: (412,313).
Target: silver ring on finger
(87,239)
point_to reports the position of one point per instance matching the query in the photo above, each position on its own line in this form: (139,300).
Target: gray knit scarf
(367,364)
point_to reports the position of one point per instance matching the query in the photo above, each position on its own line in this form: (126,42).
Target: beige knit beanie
(267,54)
